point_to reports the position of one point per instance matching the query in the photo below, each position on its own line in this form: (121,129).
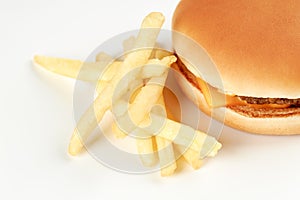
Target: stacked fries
(148,69)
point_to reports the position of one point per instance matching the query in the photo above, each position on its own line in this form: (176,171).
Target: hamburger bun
(254,46)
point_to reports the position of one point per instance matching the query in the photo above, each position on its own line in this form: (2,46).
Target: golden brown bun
(255,44)
(268,126)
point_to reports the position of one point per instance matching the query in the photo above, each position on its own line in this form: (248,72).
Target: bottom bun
(268,126)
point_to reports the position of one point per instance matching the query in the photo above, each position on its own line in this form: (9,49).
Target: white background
(37,117)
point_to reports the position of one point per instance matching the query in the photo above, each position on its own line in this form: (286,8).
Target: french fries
(140,107)
(191,142)
(186,137)
(88,122)
(141,73)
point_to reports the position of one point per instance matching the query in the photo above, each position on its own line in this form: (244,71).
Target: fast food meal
(148,69)
(255,47)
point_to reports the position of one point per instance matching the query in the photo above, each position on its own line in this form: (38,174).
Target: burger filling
(247,106)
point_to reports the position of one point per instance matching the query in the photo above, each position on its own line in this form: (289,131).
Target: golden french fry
(104,57)
(67,67)
(111,70)
(166,156)
(115,128)
(161,53)
(153,69)
(152,21)
(128,44)
(157,53)
(145,148)
(190,156)
(88,121)
(101,86)
(107,76)
(165,152)
(118,133)
(146,39)
(86,71)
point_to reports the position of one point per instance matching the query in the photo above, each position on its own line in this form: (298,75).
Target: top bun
(255,44)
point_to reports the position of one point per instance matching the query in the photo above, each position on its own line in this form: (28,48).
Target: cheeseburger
(255,49)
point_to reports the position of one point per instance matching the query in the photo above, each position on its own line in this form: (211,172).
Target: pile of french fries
(146,70)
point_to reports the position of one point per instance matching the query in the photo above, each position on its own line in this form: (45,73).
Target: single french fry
(190,156)
(104,57)
(161,53)
(66,67)
(166,156)
(118,133)
(144,44)
(101,86)
(89,121)
(86,71)
(145,148)
(153,23)
(157,53)
(153,69)
(111,70)
(107,76)
(128,44)
(165,152)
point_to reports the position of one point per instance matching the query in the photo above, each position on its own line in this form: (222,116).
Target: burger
(251,71)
